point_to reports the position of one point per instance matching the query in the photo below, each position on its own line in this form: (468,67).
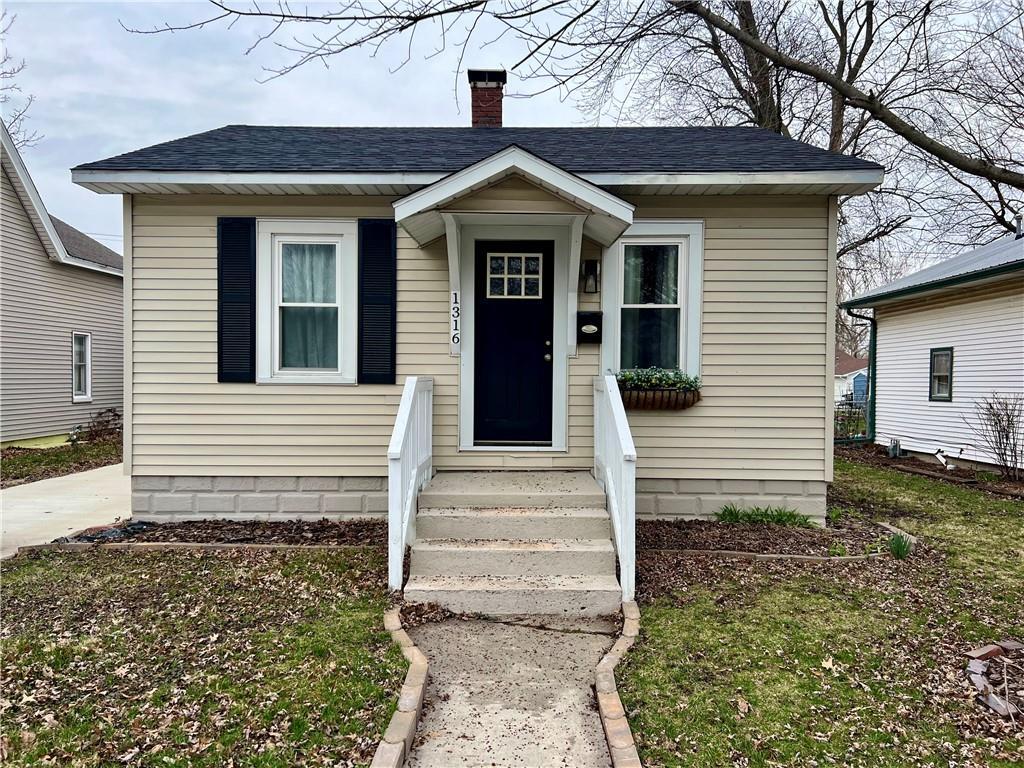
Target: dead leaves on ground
(187,658)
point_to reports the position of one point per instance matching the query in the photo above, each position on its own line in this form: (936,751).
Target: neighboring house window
(657,279)
(306,315)
(81,367)
(940,374)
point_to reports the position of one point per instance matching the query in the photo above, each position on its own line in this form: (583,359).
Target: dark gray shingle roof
(1003,255)
(81,246)
(250,148)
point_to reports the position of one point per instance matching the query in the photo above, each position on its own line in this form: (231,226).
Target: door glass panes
(514,276)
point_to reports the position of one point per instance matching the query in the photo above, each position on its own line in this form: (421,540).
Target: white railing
(615,470)
(409,466)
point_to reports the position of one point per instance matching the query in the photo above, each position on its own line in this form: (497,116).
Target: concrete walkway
(39,512)
(508,694)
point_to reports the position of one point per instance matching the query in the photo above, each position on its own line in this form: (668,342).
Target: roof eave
(52,244)
(936,286)
(108,181)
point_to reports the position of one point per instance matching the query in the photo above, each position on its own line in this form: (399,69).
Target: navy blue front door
(513,332)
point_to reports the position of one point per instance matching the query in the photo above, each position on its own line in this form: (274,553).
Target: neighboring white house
(947,337)
(850,376)
(61,344)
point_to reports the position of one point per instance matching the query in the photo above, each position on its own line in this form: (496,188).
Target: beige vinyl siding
(41,304)
(985,327)
(767,381)
(765,365)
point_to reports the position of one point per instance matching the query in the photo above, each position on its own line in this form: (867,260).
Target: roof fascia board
(737,178)
(512,159)
(935,286)
(856,180)
(36,201)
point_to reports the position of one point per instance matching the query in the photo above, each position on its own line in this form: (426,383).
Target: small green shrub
(770,515)
(833,515)
(657,378)
(900,546)
(837,549)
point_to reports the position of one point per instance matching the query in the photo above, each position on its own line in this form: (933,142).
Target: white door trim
(560,371)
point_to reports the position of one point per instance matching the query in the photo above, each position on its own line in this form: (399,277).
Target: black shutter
(378,267)
(236,300)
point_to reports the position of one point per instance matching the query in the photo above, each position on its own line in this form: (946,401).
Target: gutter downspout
(871,371)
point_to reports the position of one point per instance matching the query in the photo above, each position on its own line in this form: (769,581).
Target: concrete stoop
(501,543)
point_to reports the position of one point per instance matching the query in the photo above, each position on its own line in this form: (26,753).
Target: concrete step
(512,595)
(512,489)
(512,523)
(505,557)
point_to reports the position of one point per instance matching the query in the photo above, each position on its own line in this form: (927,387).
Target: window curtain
(308,273)
(650,336)
(309,335)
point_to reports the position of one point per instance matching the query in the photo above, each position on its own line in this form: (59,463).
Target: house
(320,319)
(945,338)
(851,377)
(61,350)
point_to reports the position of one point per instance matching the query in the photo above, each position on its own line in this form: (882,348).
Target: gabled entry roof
(420,213)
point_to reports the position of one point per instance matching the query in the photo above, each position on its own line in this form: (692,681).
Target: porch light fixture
(590,271)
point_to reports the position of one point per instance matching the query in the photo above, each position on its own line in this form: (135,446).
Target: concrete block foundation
(163,499)
(702,499)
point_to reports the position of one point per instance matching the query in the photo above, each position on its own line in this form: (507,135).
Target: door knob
(547,358)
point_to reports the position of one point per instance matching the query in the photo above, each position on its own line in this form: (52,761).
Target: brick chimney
(486,87)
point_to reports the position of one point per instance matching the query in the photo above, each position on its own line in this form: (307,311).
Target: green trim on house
(949,282)
(932,397)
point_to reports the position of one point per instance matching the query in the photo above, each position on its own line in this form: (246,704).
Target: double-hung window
(650,320)
(81,367)
(651,294)
(306,296)
(940,374)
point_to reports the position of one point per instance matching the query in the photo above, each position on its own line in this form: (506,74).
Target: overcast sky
(102,91)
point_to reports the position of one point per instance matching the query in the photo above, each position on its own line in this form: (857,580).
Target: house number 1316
(456,319)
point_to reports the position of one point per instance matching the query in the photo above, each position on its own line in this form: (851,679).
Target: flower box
(657,389)
(664,399)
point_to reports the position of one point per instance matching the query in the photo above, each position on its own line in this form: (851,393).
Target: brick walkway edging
(396,743)
(613,715)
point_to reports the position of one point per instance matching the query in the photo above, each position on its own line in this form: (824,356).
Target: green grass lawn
(196,659)
(23,465)
(859,664)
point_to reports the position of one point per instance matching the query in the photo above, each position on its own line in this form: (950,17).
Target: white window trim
(87,397)
(689,235)
(269,233)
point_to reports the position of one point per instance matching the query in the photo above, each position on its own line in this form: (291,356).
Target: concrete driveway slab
(510,694)
(39,512)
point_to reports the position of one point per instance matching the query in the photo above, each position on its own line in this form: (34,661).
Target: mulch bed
(847,537)
(964,474)
(315,532)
